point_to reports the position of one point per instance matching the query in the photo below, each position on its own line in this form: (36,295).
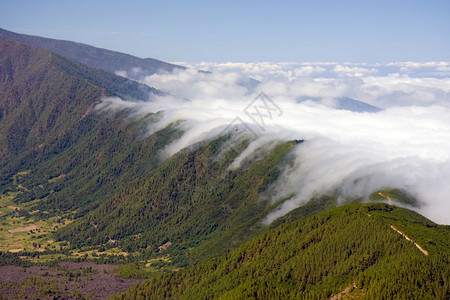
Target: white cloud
(352,71)
(405,146)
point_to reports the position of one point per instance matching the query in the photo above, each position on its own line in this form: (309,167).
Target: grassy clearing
(95,253)
(20,230)
(145,269)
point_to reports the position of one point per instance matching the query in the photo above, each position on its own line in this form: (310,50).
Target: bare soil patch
(16,250)
(23,229)
(344,292)
(64,281)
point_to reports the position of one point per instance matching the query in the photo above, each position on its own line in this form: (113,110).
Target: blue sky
(244,31)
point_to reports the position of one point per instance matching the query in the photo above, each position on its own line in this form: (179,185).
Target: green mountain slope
(103,59)
(188,200)
(61,158)
(350,251)
(64,162)
(42,94)
(51,134)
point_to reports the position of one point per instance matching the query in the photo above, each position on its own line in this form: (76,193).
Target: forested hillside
(188,200)
(80,183)
(350,251)
(104,172)
(43,95)
(48,125)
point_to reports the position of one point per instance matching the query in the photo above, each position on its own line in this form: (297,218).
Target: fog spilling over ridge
(365,126)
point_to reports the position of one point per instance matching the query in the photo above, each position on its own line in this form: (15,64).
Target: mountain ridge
(29,76)
(107,60)
(350,248)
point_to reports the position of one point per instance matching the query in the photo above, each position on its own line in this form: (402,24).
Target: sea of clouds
(405,145)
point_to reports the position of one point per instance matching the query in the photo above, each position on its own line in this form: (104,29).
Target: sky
(244,31)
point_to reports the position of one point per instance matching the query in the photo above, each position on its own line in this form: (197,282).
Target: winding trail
(386,196)
(425,252)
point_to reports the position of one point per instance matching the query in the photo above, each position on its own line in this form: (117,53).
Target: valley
(102,197)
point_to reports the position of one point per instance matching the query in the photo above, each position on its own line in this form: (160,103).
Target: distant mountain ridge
(344,103)
(107,60)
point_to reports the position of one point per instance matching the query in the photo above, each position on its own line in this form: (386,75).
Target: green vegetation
(79,185)
(59,158)
(104,173)
(433,237)
(135,271)
(396,195)
(317,257)
(48,127)
(22,230)
(188,200)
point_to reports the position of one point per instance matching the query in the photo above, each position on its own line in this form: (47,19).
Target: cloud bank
(406,145)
